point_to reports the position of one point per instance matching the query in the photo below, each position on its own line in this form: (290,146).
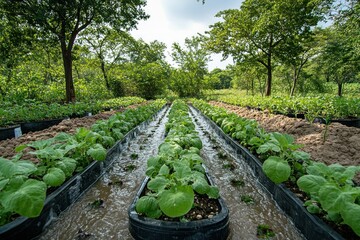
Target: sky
(174,20)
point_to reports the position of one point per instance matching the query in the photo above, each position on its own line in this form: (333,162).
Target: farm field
(227,168)
(196,119)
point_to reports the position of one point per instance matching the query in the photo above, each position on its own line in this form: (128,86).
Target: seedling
(264,231)
(134,156)
(247,199)
(98,203)
(237,182)
(229,165)
(130,167)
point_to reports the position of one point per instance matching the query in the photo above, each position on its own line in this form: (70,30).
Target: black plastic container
(216,228)
(310,225)
(10,132)
(38,125)
(348,122)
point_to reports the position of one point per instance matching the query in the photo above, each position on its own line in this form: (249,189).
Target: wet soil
(335,143)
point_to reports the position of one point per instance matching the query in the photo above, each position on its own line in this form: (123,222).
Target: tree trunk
(269,68)
(69,82)
(340,86)
(295,78)
(269,79)
(105,75)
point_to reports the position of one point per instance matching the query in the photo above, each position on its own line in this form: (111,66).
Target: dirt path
(342,143)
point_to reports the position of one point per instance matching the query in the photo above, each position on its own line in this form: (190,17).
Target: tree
(192,61)
(339,59)
(110,47)
(261,28)
(65,19)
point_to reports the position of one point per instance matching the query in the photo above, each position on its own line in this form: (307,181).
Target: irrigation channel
(101,213)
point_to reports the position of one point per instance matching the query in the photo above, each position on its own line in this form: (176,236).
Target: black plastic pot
(299,115)
(39,125)
(311,226)
(348,122)
(68,193)
(216,228)
(10,132)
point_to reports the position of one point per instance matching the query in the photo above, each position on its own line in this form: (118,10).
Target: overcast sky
(173,20)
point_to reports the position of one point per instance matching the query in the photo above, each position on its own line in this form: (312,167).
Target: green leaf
(332,199)
(28,200)
(201,186)
(54,177)
(21,147)
(181,170)
(300,155)
(351,215)
(311,183)
(9,168)
(213,192)
(3,183)
(97,152)
(149,206)
(176,201)
(268,146)
(164,170)
(67,165)
(157,184)
(277,169)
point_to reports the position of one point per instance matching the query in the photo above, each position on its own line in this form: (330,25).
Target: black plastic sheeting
(10,132)
(68,193)
(310,225)
(38,125)
(216,228)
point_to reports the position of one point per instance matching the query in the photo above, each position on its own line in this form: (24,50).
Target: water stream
(101,213)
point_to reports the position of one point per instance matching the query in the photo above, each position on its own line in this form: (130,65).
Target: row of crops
(328,107)
(176,170)
(29,111)
(24,184)
(330,189)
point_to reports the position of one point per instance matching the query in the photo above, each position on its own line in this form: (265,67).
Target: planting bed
(16,185)
(341,145)
(102,212)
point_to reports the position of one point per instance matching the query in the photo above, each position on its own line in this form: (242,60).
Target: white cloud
(174,20)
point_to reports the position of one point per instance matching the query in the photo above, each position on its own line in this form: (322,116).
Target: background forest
(81,50)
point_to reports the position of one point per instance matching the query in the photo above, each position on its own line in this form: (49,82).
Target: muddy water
(235,180)
(101,213)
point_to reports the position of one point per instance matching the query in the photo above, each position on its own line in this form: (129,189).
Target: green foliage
(188,79)
(176,172)
(325,106)
(19,193)
(23,193)
(282,160)
(333,193)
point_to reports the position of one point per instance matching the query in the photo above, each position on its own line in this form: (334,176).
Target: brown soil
(340,145)
(7,147)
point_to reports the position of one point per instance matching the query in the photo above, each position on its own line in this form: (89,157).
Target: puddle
(101,213)
(249,203)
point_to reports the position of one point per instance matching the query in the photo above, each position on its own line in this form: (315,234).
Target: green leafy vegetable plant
(333,193)
(176,173)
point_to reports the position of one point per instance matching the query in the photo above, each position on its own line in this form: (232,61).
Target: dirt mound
(7,147)
(337,144)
